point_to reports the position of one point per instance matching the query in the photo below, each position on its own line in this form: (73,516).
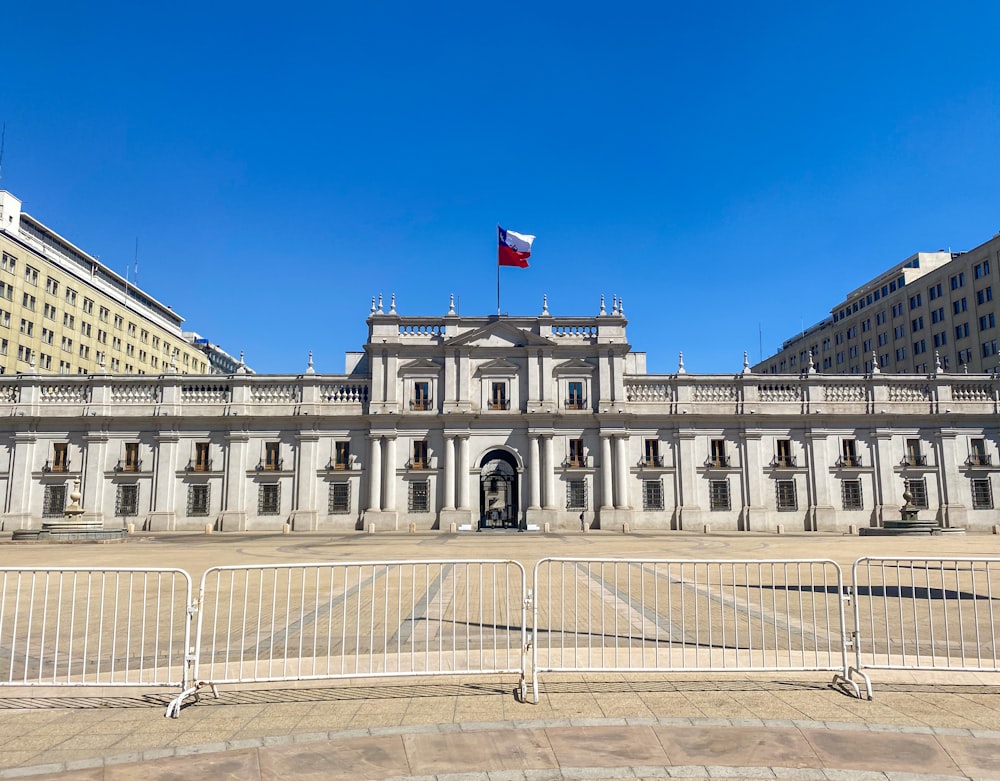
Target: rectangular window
(9,263)
(850,495)
(652,495)
(982,494)
(977,453)
(272,456)
(498,396)
(28,302)
(987,322)
(958,281)
(339,501)
(916,301)
(576,457)
(574,396)
(785,498)
(982,269)
(576,494)
(419,454)
(202,461)
(960,306)
(127,501)
(199,500)
(269,499)
(849,453)
(418,497)
(918,491)
(718,455)
(132,462)
(652,452)
(70,296)
(88,306)
(60,457)
(913,455)
(784,455)
(718,495)
(421,395)
(935,291)
(30,275)
(342,455)
(54,501)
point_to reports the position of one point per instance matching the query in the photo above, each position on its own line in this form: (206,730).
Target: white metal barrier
(359,619)
(688,616)
(925,614)
(94,627)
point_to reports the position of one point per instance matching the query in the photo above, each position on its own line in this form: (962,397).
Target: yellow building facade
(63,312)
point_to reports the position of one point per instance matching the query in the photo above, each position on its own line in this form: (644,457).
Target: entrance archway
(498,491)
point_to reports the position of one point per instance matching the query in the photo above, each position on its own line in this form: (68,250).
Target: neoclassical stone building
(500,421)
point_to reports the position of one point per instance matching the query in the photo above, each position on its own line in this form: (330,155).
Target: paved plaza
(594,725)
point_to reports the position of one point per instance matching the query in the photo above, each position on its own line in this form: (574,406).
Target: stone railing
(207,392)
(64,393)
(135,393)
(275,393)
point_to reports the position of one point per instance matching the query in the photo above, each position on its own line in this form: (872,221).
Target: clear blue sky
(725,167)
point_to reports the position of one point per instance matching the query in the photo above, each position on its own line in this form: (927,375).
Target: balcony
(721,462)
(421,405)
(199,466)
(498,404)
(784,462)
(270,466)
(914,460)
(58,466)
(849,461)
(979,459)
(418,465)
(652,462)
(575,403)
(129,466)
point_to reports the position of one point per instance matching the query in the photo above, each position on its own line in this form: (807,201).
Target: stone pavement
(586,726)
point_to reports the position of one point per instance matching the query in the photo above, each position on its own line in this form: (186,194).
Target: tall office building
(935,311)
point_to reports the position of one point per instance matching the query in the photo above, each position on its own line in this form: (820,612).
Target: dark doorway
(498,500)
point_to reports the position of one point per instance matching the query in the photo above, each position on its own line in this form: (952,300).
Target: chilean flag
(514,249)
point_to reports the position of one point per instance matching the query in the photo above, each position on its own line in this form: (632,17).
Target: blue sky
(729,169)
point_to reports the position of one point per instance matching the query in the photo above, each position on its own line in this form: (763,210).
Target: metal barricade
(359,619)
(94,627)
(688,616)
(925,614)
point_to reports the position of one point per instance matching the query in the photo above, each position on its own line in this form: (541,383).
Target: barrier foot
(868,682)
(174,706)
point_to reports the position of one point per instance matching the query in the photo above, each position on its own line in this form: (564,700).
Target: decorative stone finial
(937,362)
(172,368)
(812,364)
(451,304)
(621,307)
(242,368)
(545,303)
(392,304)
(309,368)
(614,304)
(31,365)
(74,509)
(379,310)
(875,368)
(746,363)
(603,311)
(680,363)
(373,304)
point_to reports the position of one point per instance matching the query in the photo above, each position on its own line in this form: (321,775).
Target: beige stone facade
(63,312)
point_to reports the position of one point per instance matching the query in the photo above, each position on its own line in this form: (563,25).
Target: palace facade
(460,422)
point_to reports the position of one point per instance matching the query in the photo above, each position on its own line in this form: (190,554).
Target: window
(342,455)
(652,452)
(119,320)
(849,453)
(935,291)
(574,396)
(70,296)
(984,295)
(498,396)
(202,461)
(964,356)
(917,324)
(3,346)
(900,354)
(131,330)
(941,339)
(339,501)
(102,336)
(784,455)
(913,455)
(421,396)
(24,353)
(51,286)
(60,457)
(718,495)
(958,281)
(67,344)
(918,492)
(652,495)
(419,454)
(962,305)
(31,275)
(418,497)
(977,453)
(785,498)
(576,457)
(127,501)
(982,269)
(7,291)
(920,347)
(68,320)
(49,311)
(9,263)
(899,331)
(132,462)
(104,314)
(88,306)
(45,361)
(269,499)
(961,331)
(47,336)
(916,301)
(54,501)
(717,455)
(28,302)
(982,494)
(850,495)
(897,310)
(27,327)
(989,348)
(4,318)
(937,316)
(880,318)
(198,501)
(576,495)
(272,456)
(987,322)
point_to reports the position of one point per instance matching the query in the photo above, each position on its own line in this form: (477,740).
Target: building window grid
(339,499)
(718,495)
(127,501)
(198,500)
(982,494)
(269,499)
(785,496)
(850,494)
(54,501)
(417,497)
(917,486)
(576,495)
(652,495)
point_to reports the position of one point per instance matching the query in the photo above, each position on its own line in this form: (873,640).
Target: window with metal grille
(850,495)
(418,497)
(269,499)
(198,500)
(652,495)
(340,499)
(982,494)
(786,500)
(918,490)
(718,495)
(54,502)
(576,495)
(127,500)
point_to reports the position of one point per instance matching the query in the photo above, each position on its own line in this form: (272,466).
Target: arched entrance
(498,497)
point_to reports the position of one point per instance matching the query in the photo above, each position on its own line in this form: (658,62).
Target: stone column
(389,476)
(621,469)
(884,476)
(823,517)
(94,456)
(305,515)
(463,472)
(374,473)
(607,474)
(754,511)
(449,473)
(234,517)
(550,474)
(163,514)
(953,487)
(534,474)
(19,481)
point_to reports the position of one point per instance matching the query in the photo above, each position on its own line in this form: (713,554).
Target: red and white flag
(514,249)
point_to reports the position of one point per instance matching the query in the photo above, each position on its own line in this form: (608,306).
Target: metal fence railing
(693,616)
(94,627)
(362,619)
(926,614)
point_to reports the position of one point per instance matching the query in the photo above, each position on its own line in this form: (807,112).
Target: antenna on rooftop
(135,269)
(3,138)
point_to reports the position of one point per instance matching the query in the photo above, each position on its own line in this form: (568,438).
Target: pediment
(421,366)
(498,367)
(573,366)
(500,334)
